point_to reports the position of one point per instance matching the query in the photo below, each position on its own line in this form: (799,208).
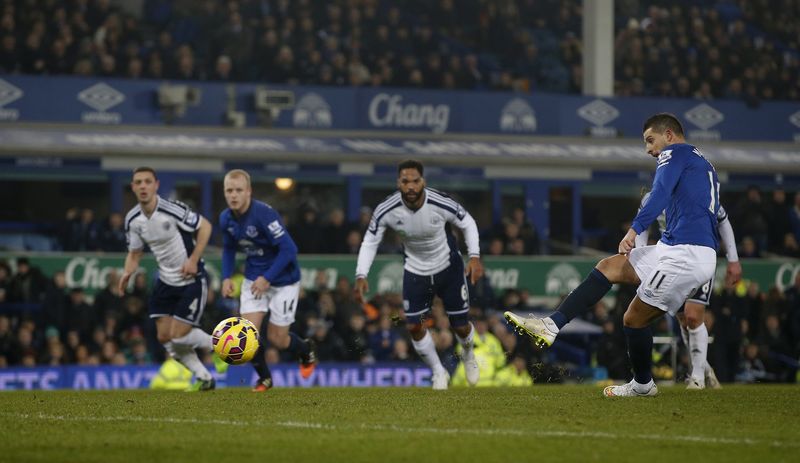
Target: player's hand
(733,274)
(360,289)
(227,287)
(189,268)
(628,242)
(123,282)
(474,269)
(259,287)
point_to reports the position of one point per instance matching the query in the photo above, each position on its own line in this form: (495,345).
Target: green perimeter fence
(543,277)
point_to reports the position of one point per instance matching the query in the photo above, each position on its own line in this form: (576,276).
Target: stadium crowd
(706,50)
(43,322)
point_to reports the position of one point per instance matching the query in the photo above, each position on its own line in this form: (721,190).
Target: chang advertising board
(395,111)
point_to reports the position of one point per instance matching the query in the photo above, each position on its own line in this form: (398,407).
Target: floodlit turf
(542,423)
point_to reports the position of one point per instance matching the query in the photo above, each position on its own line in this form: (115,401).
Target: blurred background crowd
(697,49)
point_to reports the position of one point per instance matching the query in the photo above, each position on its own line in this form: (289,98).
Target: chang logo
(599,113)
(387,110)
(561,279)
(518,116)
(9,94)
(312,111)
(101,98)
(705,117)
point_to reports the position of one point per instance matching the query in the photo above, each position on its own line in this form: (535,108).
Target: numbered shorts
(703,293)
(279,301)
(450,284)
(185,303)
(671,274)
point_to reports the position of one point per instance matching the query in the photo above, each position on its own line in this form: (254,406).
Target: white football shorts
(279,301)
(671,274)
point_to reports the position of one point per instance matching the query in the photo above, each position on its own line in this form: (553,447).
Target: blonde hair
(238,173)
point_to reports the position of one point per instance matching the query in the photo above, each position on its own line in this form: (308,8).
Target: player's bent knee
(164,338)
(613,268)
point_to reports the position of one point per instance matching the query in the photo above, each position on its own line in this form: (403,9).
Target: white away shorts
(671,274)
(279,301)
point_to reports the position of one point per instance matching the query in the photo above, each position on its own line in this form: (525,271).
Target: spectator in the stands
(112,234)
(28,284)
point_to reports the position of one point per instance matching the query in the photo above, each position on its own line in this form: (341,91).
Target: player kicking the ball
(687,188)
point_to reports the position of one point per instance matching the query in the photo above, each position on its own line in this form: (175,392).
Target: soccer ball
(235,340)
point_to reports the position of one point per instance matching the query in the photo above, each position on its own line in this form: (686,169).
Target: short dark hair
(145,169)
(411,164)
(661,122)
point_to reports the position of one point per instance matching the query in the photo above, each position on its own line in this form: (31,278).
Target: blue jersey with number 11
(687,189)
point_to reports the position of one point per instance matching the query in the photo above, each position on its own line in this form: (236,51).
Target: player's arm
(366,255)
(201,241)
(463,220)
(734,271)
(287,252)
(228,259)
(135,251)
(668,172)
(131,265)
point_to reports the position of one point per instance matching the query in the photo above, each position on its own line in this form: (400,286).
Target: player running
(433,264)
(272,274)
(177,237)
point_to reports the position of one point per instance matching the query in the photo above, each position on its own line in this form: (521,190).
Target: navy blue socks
(586,295)
(640,351)
(296,345)
(260,362)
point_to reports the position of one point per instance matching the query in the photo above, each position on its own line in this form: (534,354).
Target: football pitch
(541,423)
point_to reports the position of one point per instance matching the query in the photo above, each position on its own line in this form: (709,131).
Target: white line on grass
(709,440)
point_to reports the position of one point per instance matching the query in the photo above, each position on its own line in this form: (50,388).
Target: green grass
(542,423)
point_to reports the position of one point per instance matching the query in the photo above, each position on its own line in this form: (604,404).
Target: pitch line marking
(412,430)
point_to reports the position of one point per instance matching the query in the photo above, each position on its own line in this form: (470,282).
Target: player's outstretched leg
(427,351)
(542,330)
(586,295)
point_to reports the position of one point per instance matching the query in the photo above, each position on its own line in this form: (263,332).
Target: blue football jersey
(261,236)
(686,188)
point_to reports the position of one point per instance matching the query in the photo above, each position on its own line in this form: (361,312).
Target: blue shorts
(450,284)
(185,303)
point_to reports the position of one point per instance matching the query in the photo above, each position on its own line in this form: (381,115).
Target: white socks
(698,349)
(185,353)
(427,351)
(196,338)
(466,343)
